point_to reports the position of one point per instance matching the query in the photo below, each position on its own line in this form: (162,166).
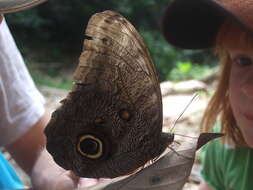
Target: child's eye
(243,61)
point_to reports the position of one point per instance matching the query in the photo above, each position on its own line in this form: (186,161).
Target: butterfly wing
(114,39)
(110,124)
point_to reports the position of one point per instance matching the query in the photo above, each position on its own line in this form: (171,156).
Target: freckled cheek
(234,90)
(235,97)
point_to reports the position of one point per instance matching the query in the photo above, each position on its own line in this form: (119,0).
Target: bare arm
(28,151)
(27,148)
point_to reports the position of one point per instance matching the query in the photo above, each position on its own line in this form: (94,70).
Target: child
(227,27)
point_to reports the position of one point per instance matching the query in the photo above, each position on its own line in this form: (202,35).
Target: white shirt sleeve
(21,104)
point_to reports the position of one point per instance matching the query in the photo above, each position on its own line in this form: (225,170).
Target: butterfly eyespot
(125,115)
(90,147)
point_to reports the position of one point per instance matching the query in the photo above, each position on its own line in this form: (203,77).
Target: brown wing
(111,123)
(116,53)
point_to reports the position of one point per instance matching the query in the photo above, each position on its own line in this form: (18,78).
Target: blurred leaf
(184,67)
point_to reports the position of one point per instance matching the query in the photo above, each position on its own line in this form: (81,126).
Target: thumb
(66,181)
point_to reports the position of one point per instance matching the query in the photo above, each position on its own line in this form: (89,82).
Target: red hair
(230,36)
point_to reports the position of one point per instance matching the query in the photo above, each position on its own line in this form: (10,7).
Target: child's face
(241,91)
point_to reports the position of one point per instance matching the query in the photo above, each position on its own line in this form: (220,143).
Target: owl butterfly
(110,124)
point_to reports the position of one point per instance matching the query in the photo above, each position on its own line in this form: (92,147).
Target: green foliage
(63,22)
(175,64)
(45,80)
(163,55)
(50,74)
(54,32)
(50,77)
(187,70)
(184,67)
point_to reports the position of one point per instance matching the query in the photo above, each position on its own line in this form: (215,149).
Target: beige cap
(9,6)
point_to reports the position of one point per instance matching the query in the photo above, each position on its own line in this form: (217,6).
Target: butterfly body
(111,122)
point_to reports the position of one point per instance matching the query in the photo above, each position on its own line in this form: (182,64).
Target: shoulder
(21,103)
(225,166)
(218,152)
(213,151)
(212,160)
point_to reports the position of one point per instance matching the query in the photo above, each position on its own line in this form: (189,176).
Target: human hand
(67,180)
(87,182)
(49,176)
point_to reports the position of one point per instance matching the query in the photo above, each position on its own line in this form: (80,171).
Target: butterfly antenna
(184,111)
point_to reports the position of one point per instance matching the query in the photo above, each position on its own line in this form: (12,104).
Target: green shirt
(227,168)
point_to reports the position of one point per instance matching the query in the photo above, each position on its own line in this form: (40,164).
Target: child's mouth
(248,116)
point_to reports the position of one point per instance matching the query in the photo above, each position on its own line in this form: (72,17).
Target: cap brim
(193,24)
(9,6)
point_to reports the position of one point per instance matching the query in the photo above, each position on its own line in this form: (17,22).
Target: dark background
(51,35)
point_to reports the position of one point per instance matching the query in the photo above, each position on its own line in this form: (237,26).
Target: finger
(87,182)
(66,181)
(103,179)
(73,177)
